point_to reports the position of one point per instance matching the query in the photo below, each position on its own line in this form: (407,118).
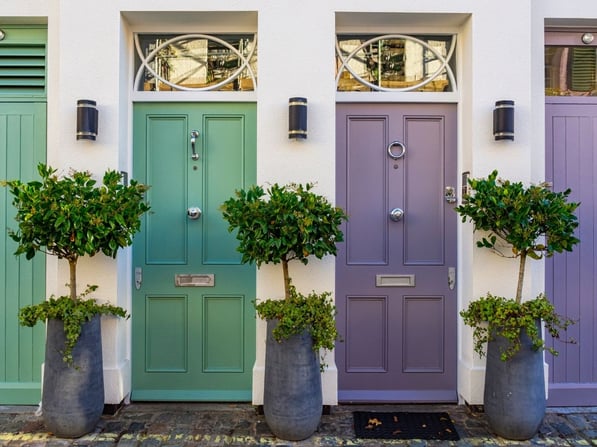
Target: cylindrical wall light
(86,119)
(503,120)
(297,118)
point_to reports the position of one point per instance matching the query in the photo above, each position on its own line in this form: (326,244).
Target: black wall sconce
(503,120)
(297,118)
(86,119)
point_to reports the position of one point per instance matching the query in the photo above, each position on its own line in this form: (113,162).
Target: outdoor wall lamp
(587,38)
(2,35)
(297,118)
(503,120)
(86,119)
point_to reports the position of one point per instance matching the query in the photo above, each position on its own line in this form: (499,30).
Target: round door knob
(194,213)
(396,214)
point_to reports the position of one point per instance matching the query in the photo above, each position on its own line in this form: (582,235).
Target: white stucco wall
(500,54)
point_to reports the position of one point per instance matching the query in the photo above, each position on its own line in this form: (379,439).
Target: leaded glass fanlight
(395,62)
(195,62)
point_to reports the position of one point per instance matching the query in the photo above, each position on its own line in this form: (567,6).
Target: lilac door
(571,284)
(395,272)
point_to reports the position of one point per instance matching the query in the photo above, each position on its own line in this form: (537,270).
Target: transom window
(395,62)
(570,70)
(195,62)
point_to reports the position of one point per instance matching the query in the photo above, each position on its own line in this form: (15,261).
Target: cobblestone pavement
(193,424)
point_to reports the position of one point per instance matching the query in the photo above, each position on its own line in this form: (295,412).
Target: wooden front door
(193,320)
(22,282)
(396,270)
(571,278)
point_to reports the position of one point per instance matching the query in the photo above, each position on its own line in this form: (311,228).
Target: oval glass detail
(395,62)
(195,62)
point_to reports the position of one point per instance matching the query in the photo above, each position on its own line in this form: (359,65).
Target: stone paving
(195,424)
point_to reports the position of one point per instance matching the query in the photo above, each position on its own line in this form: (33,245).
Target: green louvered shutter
(23,62)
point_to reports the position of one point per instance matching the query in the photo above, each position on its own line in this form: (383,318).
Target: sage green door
(192,316)
(22,282)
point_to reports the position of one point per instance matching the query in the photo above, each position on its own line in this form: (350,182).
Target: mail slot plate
(194,280)
(395,280)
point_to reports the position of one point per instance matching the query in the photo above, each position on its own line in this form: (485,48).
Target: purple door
(571,284)
(396,270)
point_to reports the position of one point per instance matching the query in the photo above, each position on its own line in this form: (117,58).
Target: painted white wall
(500,57)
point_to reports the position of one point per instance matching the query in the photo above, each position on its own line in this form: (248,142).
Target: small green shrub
(283,224)
(69,217)
(532,221)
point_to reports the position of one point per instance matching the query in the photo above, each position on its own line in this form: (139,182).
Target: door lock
(396,214)
(450,194)
(451,277)
(138,277)
(194,213)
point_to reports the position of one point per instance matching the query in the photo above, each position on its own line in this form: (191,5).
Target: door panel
(193,322)
(571,144)
(22,282)
(396,310)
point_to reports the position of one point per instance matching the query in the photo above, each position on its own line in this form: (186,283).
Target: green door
(22,282)
(192,316)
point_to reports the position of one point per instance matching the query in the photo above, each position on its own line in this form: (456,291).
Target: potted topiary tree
(70,217)
(290,223)
(528,222)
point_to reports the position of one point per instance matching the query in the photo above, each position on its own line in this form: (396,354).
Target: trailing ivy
(493,315)
(73,313)
(314,313)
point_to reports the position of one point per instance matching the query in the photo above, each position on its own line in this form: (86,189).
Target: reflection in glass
(570,71)
(395,62)
(195,62)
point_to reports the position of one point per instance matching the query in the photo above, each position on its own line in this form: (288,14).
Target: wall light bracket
(87,117)
(503,120)
(297,118)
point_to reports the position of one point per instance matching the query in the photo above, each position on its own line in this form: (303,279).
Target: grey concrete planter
(514,397)
(292,401)
(73,398)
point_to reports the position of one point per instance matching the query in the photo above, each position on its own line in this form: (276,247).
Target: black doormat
(404,425)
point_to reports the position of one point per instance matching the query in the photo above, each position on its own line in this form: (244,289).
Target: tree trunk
(286,279)
(523,259)
(72,264)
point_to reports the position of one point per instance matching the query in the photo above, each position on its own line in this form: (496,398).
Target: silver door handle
(194,213)
(402,152)
(396,214)
(194,154)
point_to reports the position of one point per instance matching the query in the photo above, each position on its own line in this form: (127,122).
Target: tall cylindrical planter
(514,397)
(73,397)
(292,401)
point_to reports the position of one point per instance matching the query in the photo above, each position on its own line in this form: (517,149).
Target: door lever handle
(194,154)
